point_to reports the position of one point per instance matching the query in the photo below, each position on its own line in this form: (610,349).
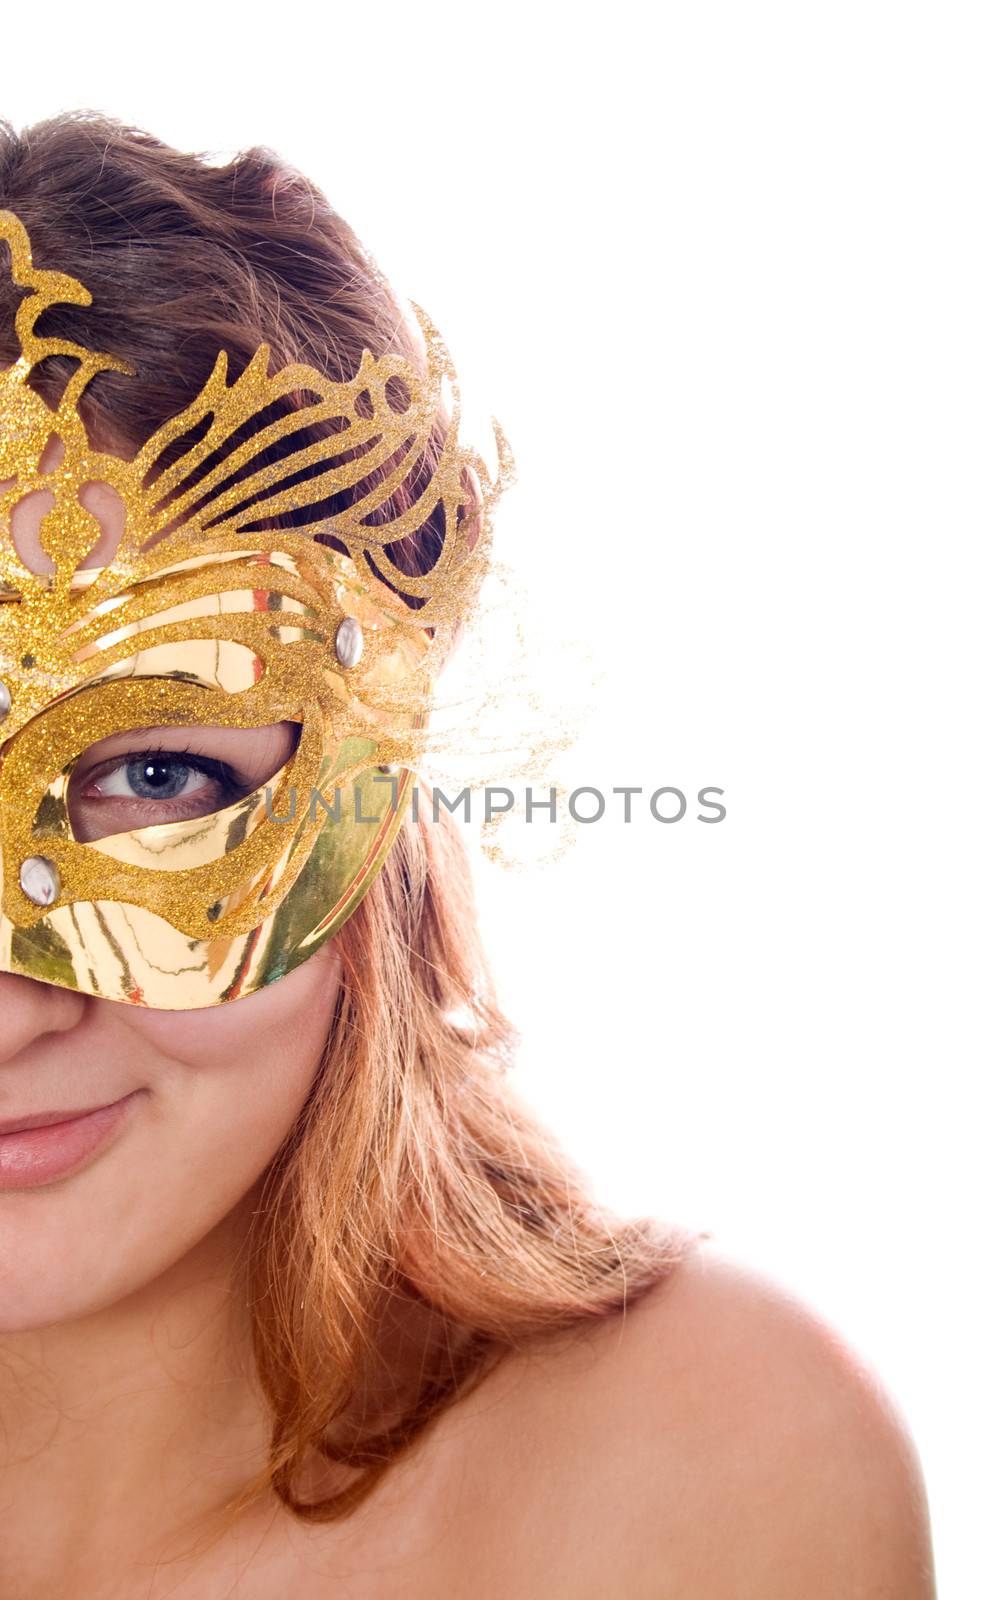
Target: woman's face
(210,1094)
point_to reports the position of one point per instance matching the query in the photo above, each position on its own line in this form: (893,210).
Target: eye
(163,775)
(148,786)
(158,775)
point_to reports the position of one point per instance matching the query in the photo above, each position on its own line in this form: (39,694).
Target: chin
(27,1307)
(61,1261)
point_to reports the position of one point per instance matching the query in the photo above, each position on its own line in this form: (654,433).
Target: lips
(45,1145)
(46,1119)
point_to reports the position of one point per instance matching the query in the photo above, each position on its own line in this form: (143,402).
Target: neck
(127,1433)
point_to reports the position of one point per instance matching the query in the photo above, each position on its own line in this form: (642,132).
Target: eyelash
(226,776)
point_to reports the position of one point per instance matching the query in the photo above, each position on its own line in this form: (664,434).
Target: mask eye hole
(171,774)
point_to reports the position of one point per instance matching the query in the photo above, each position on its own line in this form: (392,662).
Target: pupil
(157,777)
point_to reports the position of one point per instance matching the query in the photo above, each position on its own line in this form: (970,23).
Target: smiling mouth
(38,1149)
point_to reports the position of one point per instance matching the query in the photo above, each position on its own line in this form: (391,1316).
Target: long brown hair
(417,1190)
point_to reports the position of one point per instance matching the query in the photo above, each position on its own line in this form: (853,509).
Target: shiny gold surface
(207,616)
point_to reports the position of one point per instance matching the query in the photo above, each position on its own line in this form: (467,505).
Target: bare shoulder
(718,1441)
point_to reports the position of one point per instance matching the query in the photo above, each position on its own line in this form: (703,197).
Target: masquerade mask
(210,615)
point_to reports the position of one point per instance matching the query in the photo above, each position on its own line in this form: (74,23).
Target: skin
(718,1442)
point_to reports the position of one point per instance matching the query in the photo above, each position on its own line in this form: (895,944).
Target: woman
(295,1295)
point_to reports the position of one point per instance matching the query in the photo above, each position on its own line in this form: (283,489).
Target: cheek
(238,1074)
(225,1086)
(283,1022)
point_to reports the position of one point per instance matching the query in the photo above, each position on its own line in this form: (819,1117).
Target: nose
(29,1009)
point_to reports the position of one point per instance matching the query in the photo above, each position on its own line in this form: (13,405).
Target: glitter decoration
(210,614)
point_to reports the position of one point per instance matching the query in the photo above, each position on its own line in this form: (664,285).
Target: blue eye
(153,777)
(160,777)
(166,775)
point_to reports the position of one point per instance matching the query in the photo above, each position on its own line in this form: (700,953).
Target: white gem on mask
(39,880)
(348,641)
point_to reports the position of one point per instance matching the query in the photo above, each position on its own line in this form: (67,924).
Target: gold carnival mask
(208,615)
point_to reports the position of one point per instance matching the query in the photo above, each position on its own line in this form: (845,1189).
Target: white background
(719,270)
